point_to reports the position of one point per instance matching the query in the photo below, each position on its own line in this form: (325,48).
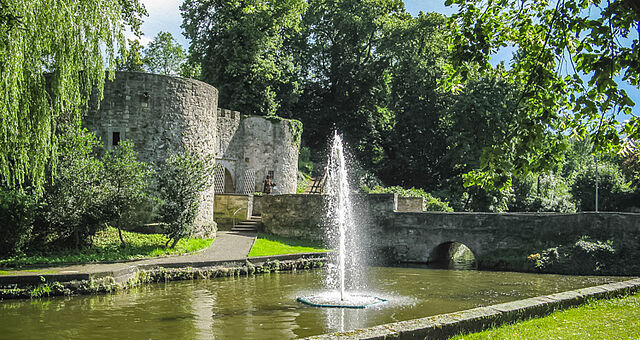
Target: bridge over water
(498,240)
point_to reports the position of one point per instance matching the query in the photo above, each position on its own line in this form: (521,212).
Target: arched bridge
(498,240)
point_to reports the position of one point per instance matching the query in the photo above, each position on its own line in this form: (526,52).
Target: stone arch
(453,255)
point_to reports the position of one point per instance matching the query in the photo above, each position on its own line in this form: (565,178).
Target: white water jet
(339,205)
(342,233)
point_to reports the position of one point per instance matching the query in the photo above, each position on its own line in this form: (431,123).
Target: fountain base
(332,300)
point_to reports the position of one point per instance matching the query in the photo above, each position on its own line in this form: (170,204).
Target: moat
(264,306)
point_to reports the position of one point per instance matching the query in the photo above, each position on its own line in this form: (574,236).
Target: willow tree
(52,55)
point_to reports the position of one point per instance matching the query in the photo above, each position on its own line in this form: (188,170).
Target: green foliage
(346,75)
(266,245)
(125,185)
(107,247)
(305,164)
(244,51)
(164,55)
(192,70)
(613,189)
(131,60)
(17,213)
(72,208)
(544,192)
(584,256)
(181,182)
(433,203)
(73,41)
(586,39)
(302,183)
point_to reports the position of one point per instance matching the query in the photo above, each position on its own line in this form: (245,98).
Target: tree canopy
(164,55)
(570,58)
(52,54)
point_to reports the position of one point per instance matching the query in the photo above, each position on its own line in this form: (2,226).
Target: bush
(613,189)
(124,187)
(585,256)
(72,199)
(545,192)
(17,211)
(433,203)
(182,180)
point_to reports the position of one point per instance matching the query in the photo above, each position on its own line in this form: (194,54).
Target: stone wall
(260,144)
(161,115)
(302,216)
(498,241)
(299,216)
(411,204)
(225,207)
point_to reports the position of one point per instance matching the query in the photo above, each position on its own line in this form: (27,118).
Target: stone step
(239,228)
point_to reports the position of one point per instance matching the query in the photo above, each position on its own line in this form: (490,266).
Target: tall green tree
(558,45)
(244,51)
(416,142)
(72,40)
(132,60)
(164,55)
(346,74)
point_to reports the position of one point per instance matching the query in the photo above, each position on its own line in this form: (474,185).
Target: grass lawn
(599,319)
(274,245)
(106,247)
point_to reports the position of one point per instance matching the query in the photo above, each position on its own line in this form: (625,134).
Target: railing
(234,215)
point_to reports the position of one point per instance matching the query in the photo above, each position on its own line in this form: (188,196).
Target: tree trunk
(175,241)
(124,244)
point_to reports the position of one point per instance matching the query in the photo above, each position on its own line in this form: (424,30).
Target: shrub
(72,198)
(124,186)
(17,211)
(613,189)
(585,256)
(433,203)
(545,192)
(181,182)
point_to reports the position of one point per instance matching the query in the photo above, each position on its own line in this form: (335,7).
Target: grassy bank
(267,245)
(602,319)
(106,247)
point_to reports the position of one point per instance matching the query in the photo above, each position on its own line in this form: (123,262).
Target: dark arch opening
(453,255)
(229,188)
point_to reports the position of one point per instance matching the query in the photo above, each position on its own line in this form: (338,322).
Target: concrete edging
(477,319)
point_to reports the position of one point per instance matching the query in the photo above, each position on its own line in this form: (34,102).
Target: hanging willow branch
(73,42)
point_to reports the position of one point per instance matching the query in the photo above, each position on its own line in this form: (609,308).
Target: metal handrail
(234,215)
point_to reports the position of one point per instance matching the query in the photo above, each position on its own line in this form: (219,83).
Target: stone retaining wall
(226,205)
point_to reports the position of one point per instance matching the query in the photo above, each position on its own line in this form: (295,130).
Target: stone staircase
(252,225)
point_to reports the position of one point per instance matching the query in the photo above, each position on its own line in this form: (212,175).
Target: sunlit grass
(106,247)
(267,245)
(600,319)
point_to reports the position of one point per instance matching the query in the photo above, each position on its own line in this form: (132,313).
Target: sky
(164,15)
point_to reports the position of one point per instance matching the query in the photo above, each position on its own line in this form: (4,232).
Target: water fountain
(342,234)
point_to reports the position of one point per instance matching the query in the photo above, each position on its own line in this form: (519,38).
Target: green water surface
(264,306)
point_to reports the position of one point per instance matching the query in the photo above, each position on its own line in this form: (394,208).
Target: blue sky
(164,15)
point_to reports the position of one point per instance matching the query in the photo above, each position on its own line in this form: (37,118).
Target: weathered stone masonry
(498,241)
(162,115)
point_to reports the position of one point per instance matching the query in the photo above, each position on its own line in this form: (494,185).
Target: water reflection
(264,307)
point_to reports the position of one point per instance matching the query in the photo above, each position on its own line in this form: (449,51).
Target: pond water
(264,306)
